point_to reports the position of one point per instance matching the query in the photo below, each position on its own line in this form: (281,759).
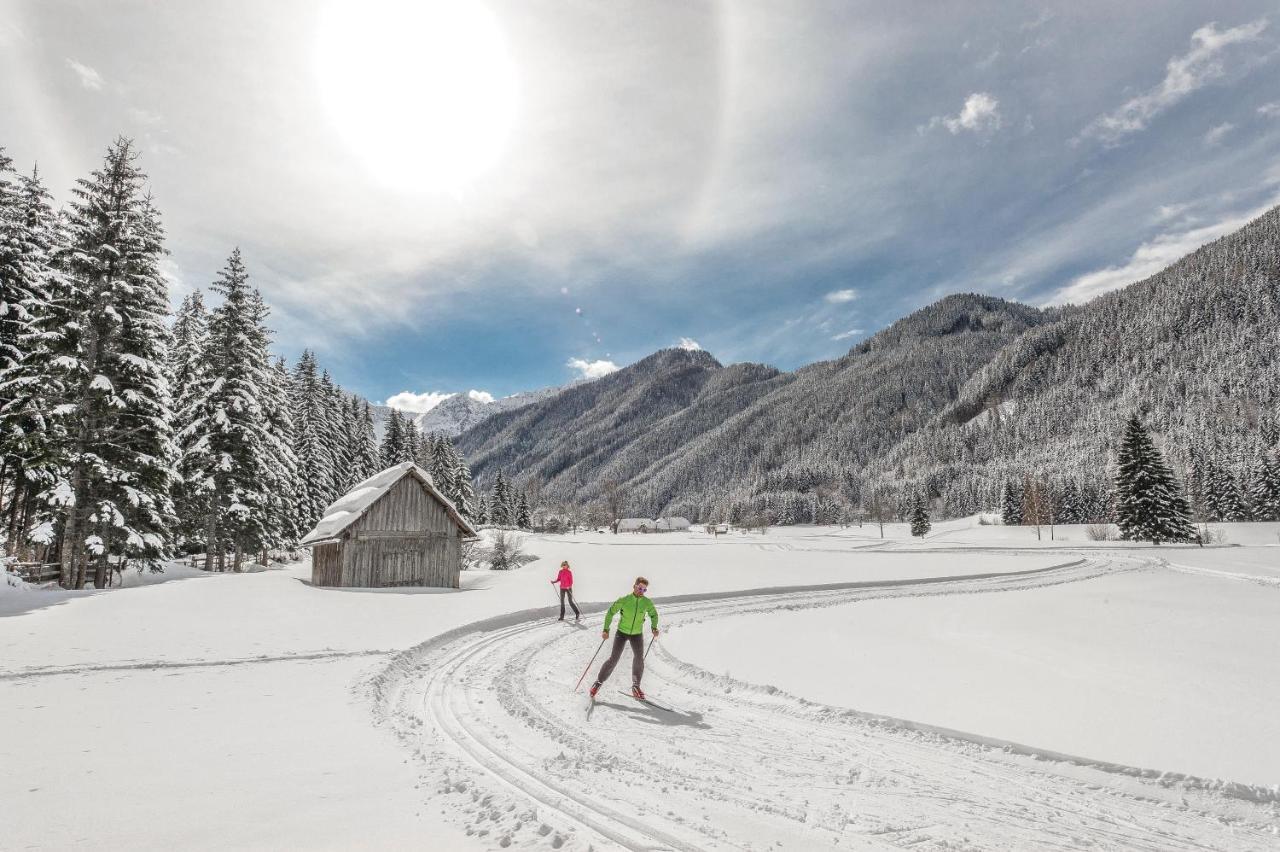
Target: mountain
(462,411)
(679,429)
(956,399)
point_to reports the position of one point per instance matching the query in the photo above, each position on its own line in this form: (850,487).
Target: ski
(648,701)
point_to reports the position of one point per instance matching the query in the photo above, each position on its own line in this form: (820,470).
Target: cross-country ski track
(509,753)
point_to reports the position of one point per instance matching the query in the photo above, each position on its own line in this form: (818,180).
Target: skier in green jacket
(631,610)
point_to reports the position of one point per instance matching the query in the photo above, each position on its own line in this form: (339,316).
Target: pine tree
(1265,491)
(920,525)
(500,503)
(188,374)
(464,494)
(412,440)
(482,512)
(443,466)
(1011,508)
(392,449)
(280,465)
(1222,496)
(229,450)
(366,459)
(310,444)
(27,240)
(98,370)
(523,520)
(1149,504)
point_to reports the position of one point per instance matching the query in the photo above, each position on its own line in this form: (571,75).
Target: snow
(255,711)
(1150,668)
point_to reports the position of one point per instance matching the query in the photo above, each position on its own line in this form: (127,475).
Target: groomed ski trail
(514,758)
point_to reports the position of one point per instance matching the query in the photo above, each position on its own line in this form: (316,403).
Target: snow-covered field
(253,711)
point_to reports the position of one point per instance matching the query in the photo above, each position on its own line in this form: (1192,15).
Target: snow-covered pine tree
(368,459)
(426,454)
(443,465)
(1069,510)
(482,511)
(1264,491)
(500,502)
(1149,504)
(228,446)
(334,437)
(27,237)
(920,525)
(464,493)
(188,372)
(522,518)
(310,447)
(412,440)
(1011,503)
(98,369)
(1222,495)
(280,464)
(393,440)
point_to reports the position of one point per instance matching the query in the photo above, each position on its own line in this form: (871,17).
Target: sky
(502,195)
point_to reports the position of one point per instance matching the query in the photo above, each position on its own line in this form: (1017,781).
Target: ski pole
(647,650)
(588,668)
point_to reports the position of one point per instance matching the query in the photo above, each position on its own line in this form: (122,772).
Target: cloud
(839,297)
(592,369)
(980,114)
(417,402)
(689,345)
(1150,257)
(480,396)
(1183,75)
(1271,110)
(1214,137)
(89,77)
(845,335)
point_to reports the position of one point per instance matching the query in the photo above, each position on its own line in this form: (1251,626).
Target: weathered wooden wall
(326,565)
(406,538)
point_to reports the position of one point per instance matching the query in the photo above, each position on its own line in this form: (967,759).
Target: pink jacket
(565,578)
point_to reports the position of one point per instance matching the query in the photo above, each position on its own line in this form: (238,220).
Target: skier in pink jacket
(565,579)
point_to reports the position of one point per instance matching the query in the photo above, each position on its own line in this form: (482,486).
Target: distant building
(672,524)
(393,529)
(640,525)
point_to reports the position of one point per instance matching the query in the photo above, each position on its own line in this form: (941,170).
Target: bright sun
(423,92)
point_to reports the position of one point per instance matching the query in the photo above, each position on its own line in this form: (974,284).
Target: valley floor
(254,711)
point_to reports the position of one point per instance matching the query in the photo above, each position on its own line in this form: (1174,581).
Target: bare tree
(614,495)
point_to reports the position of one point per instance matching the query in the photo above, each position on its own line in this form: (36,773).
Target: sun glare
(423,92)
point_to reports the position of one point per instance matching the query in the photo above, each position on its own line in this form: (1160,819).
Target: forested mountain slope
(957,399)
(1195,348)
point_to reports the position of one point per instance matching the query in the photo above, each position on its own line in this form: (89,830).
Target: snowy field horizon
(823,687)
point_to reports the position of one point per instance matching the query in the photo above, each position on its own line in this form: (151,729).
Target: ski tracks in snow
(516,759)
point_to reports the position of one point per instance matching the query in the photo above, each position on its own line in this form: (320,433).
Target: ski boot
(595,687)
(637,692)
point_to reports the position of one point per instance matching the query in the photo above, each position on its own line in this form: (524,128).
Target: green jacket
(632,609)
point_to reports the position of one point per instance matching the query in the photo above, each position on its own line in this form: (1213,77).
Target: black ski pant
(620,640)
(569,594)
(637,656)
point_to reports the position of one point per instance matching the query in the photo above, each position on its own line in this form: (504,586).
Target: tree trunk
(210,535)
(239,555)
(72,572)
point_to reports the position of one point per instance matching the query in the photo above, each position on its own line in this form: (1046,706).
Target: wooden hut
(393,529)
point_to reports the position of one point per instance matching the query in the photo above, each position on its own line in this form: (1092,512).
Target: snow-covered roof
(676,523)
(634,523)
(348,508)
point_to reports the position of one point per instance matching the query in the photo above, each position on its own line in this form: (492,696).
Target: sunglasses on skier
(641,589)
